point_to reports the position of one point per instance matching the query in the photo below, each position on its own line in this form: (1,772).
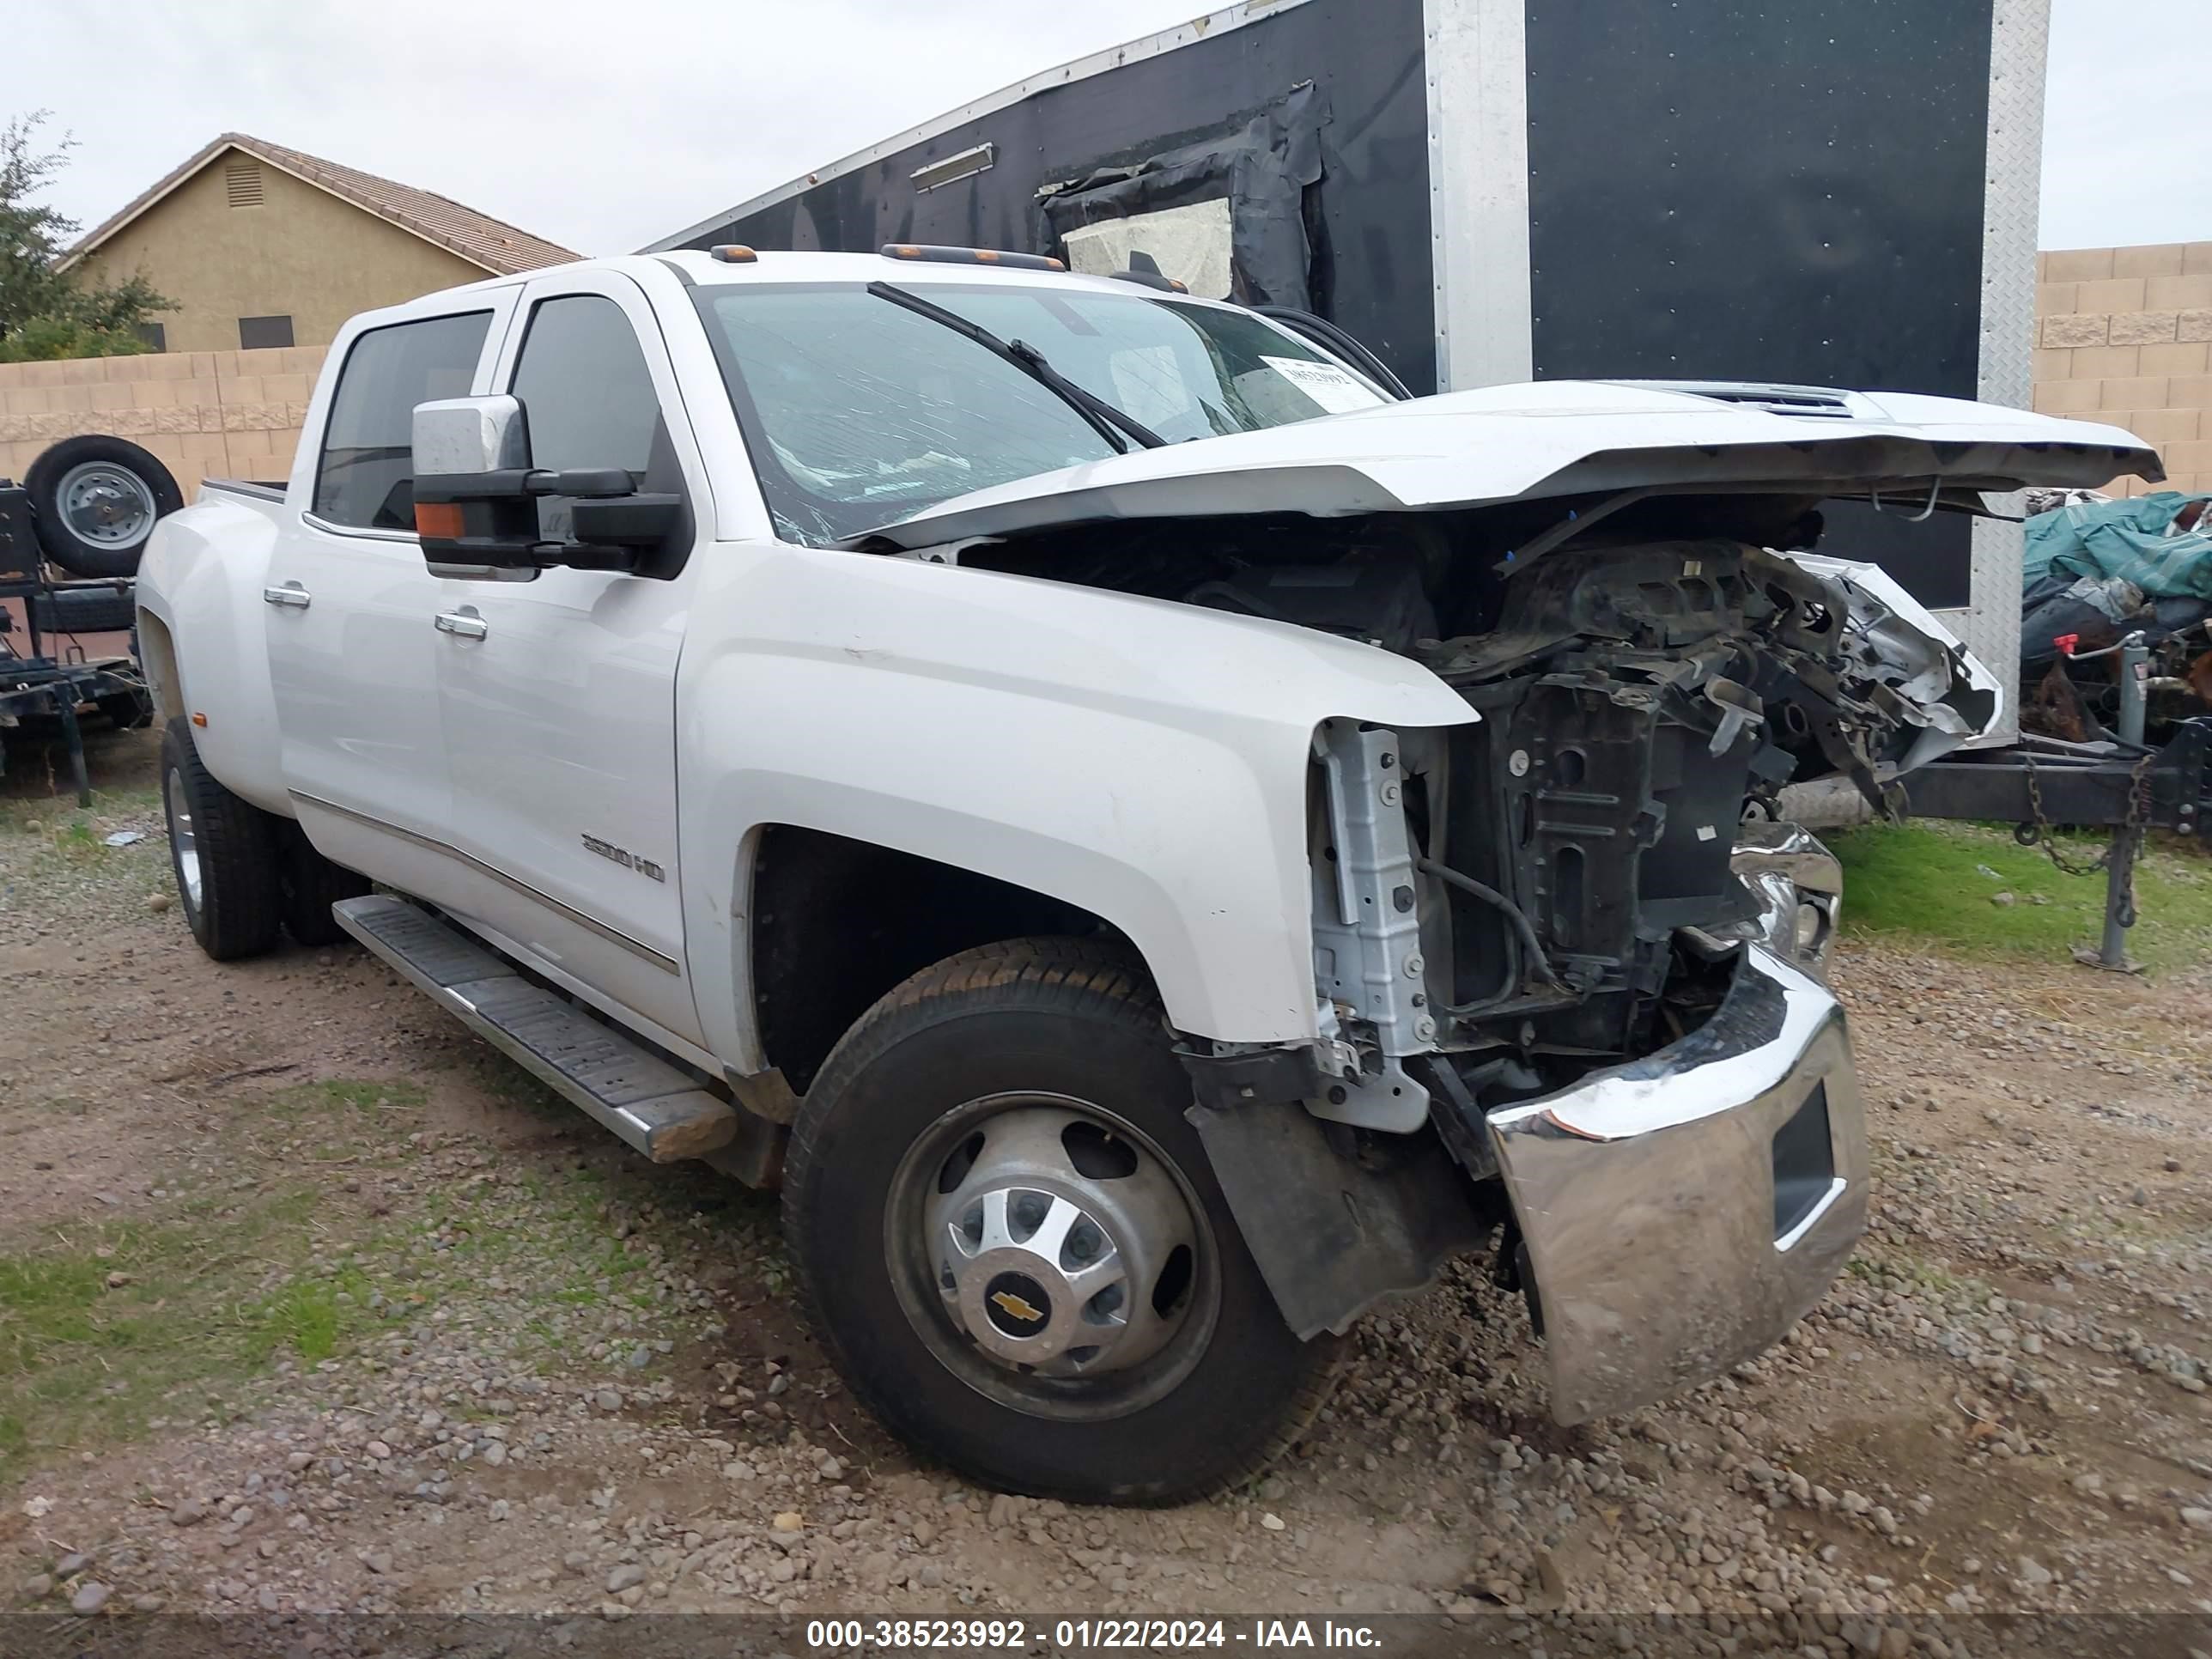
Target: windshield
(859,412)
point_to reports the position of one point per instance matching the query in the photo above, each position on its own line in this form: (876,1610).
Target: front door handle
(291,595)
(464,624)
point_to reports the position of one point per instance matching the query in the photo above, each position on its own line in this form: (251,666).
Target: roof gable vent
(241,183)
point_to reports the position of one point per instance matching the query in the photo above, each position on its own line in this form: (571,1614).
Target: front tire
(224,852)
(1010,1240)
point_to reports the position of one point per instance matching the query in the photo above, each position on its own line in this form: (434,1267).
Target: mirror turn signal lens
(440,519)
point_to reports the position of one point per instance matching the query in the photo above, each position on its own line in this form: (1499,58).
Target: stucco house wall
(300,252)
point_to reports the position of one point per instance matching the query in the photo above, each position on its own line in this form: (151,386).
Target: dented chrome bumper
(1682,1211)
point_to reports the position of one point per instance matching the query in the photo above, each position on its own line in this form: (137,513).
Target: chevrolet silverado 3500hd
(1155,840)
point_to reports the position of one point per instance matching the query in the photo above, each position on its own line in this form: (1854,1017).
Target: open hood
(1560,438)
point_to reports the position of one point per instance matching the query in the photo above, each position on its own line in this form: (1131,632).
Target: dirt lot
(307,1301)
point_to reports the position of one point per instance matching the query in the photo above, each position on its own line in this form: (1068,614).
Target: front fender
(1145,760)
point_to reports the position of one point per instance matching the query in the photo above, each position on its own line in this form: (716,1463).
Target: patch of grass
(59,815)
(234,1282)
(1898,1264)
(101,1328)
(46,842)
(341,1094)
(309,1315)
(1925,882)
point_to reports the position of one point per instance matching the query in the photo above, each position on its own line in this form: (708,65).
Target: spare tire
(96,499)
(85,611)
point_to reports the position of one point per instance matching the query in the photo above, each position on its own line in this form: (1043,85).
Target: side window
(365,476)
(586,395)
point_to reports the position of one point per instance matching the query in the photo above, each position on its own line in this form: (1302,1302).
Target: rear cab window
(364,474)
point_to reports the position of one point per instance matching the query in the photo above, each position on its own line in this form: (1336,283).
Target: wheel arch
(157,655)
(833,922)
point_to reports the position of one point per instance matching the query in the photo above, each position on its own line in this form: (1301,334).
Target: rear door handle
(463,624)
(291,595)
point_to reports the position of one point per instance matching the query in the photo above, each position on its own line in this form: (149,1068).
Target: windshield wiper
(1109,422)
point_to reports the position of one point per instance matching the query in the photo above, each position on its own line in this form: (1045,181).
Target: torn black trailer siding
(1366,221)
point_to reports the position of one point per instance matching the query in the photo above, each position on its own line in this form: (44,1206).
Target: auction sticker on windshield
(1333,388)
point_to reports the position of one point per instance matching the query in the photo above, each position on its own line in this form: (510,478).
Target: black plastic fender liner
(1243,1079)
(1335,1233)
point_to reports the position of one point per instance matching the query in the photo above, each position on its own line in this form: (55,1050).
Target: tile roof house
(262,246)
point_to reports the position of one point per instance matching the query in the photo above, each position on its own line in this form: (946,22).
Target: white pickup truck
(1155,840)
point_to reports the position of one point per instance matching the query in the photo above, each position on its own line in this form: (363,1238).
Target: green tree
(45,311)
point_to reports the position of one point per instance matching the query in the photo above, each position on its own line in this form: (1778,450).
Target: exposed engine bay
(1556,881)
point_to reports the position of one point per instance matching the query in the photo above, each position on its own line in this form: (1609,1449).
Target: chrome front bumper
(1682,1211)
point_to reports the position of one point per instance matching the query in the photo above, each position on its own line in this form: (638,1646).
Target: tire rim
(184,843)
(1051,1256)
(107,504)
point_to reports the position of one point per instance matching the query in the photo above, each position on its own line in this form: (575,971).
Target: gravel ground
(310,1304)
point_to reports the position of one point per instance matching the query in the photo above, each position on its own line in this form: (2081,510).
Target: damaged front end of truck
(1570,1000)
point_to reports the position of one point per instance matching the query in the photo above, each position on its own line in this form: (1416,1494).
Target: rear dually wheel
(224,852)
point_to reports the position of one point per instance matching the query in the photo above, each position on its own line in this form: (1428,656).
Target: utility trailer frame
(2118,783)
(45,682)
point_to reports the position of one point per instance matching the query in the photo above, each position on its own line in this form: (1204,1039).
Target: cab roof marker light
(733,253)
(970,256)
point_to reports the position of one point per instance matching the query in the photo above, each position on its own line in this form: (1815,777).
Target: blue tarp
(2128,540)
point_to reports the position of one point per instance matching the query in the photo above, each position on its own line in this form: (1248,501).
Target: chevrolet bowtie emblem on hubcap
(1017,1306)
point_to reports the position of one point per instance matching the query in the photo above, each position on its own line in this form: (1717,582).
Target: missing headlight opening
(1579,860)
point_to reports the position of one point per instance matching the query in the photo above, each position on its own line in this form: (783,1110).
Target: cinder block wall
(2123,335)
(220,414)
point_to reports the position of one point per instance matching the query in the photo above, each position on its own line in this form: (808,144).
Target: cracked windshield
(859,412)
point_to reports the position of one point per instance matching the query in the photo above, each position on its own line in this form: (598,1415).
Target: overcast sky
(603,127)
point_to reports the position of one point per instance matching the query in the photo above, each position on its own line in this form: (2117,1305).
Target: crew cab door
(559,693)
(352,654)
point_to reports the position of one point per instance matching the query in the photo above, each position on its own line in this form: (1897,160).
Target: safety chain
(2138,810)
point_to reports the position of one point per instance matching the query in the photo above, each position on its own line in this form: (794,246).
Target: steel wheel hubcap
(183,844)
(107,504)
(1067,1265)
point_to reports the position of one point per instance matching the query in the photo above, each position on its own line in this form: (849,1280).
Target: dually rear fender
(201,580)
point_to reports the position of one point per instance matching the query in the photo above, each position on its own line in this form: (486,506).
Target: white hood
(1558,438)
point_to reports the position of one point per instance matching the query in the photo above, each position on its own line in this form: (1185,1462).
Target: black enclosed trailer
(1837,192)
